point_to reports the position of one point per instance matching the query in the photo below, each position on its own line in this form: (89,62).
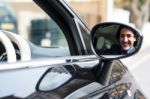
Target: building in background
(8,19)
(96,11)
(91,11)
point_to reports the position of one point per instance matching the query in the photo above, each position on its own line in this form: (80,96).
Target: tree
(139,9)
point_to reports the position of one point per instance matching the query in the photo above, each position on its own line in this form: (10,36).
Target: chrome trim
(47,62)
(73,12)
(80,34)
(77,21)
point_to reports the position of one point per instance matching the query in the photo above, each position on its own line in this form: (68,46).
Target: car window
(33,24)
(86,38)
(7,18)
(45,32)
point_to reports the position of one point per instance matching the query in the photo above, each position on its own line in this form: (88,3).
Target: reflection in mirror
(53,78)
(117,72)
(115,39)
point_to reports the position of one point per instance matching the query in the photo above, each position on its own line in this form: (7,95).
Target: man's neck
(128,51)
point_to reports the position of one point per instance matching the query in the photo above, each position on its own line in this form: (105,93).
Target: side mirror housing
(112,40)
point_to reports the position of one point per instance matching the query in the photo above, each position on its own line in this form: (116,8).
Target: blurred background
(135,12)
(25,18)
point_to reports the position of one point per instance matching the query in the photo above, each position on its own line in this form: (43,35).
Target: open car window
(29,21)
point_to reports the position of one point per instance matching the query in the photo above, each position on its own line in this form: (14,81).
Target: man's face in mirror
(126,38)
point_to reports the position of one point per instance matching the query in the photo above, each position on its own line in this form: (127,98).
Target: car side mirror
(55,77)
(112,40)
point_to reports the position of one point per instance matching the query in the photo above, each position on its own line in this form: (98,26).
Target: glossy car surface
(26,64)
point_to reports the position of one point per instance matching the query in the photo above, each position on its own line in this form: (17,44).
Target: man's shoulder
(116,46)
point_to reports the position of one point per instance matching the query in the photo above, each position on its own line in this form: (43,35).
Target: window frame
(64,19)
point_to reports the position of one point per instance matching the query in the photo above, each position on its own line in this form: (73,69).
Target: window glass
(26,19)
(46,33)
(86,38)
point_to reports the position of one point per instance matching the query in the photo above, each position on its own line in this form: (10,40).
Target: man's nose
(125,39)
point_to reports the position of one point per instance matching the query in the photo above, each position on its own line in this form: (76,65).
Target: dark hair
(121,27)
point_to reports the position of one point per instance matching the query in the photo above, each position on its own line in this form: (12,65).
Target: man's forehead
(126,31)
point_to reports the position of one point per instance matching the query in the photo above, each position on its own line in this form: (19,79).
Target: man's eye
(122,36)
(128,35)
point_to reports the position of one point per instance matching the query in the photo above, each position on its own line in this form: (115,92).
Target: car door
(125,84)
(79,30)
(25,77)
(20,76)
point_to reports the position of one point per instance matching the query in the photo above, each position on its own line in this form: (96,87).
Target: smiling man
(126,43)
(127,38)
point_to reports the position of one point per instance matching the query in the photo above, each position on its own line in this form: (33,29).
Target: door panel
(19,82)
(123,81)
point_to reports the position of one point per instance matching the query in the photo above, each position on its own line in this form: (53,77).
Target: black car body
(20,78)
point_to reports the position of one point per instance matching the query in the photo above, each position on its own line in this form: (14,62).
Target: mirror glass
(54,78)
(115,40)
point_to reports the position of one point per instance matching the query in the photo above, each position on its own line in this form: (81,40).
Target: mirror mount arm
(103,71)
